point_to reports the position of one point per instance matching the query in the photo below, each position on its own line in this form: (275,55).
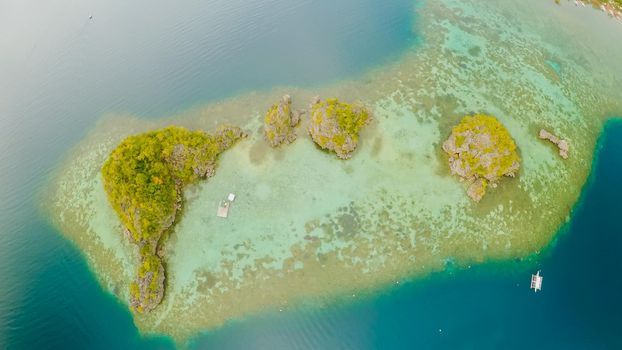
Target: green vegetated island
(472,147)
(145,175)
(144,178)
(481,151)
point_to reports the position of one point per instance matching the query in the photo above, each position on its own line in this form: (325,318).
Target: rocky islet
(481,152)
(280,122)
(144,178)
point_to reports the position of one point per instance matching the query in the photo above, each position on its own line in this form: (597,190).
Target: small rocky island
(335,125)
(144,178)
(562,145)
(280,121)
(481,151)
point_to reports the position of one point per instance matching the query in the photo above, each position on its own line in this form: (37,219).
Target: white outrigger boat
(536,282)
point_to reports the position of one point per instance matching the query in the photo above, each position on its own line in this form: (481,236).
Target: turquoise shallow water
(66,71)
(485,307)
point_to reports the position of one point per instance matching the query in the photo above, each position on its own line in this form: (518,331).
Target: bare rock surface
(563,145)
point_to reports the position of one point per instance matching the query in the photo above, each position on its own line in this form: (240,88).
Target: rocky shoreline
(607,6)
(611,8)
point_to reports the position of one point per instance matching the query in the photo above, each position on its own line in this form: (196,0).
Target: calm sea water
(61,71)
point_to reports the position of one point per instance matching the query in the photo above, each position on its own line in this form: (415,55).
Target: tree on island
(335,125)
(144,178)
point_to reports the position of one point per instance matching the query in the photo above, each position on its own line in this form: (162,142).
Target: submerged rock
(561,144)
(335,125)
(481,151)
(280,121)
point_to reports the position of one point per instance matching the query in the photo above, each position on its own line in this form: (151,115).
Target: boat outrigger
(536,282)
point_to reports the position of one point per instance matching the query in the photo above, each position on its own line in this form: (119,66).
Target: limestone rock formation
(144,178)
(481,151)
(562,144)
(280,121)
(335,125)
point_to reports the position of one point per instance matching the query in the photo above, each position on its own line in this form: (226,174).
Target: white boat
(536,282)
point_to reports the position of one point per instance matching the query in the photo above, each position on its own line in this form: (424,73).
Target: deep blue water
(60,72)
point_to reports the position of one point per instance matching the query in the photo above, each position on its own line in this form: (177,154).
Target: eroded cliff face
(335,125)
(481,151)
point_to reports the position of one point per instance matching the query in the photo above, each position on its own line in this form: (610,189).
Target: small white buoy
(231,197)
